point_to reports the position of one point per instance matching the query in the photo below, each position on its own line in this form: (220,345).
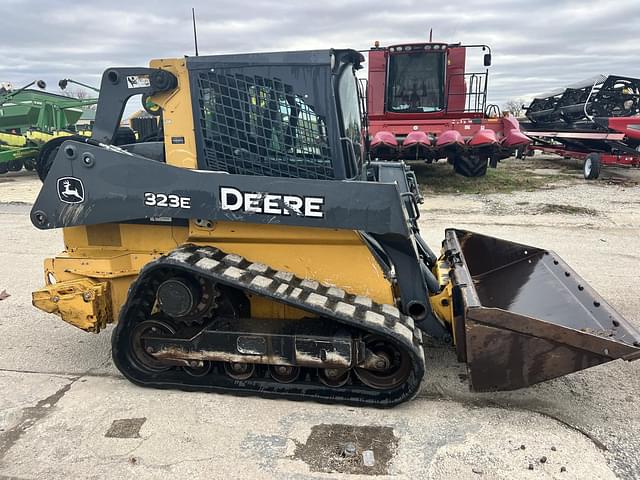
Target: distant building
(87,119)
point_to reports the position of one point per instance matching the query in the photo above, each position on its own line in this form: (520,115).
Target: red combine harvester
(423,105)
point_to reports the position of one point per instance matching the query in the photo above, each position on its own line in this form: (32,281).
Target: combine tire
(470,165)
(4,168)
(591,166)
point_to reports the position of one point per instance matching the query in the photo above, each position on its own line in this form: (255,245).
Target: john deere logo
(70,190)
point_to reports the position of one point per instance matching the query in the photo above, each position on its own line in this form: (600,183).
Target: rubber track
(284,287)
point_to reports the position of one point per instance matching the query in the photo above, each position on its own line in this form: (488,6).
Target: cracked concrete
(61,393)
(23,404)
(28,418)
(198,434)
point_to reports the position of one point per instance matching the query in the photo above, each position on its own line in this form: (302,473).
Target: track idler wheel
(141,355)
(393,373)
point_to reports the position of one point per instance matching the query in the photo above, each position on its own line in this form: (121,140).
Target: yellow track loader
(257,250)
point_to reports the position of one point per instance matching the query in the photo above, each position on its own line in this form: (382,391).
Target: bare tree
(79,94)
(514,106)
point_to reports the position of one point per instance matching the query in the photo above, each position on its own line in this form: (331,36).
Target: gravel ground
(61,393)
(19,187)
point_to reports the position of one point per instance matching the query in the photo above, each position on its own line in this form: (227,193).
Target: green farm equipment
(29,118)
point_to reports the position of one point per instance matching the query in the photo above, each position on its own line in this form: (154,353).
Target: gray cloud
(536,45)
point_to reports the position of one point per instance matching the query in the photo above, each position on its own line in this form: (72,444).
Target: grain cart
(256,251)
(423,104)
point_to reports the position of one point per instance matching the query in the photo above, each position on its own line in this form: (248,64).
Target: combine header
(423,105)
(596,121)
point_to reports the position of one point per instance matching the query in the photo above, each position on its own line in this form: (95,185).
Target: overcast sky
(537,45)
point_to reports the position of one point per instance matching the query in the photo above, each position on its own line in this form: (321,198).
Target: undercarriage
(185,326)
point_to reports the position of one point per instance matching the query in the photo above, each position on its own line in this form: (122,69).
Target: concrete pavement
(65,412)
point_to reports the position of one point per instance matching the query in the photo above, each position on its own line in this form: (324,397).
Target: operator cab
(416,78)
(281,119)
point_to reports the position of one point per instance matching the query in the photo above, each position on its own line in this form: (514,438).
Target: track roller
(284,373)
(333,377)
(239,371)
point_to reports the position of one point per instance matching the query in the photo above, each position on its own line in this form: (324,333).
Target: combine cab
(423,105)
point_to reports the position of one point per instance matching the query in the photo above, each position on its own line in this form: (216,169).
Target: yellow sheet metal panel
(336,257)
(333,257)
(179,138)
(130,237)
(100,263)
(265,308)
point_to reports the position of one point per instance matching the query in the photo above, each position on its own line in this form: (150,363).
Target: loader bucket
(523,316)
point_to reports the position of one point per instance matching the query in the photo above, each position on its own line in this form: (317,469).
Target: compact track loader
(257,251)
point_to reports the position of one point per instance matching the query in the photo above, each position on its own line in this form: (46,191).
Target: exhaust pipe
(523,316)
